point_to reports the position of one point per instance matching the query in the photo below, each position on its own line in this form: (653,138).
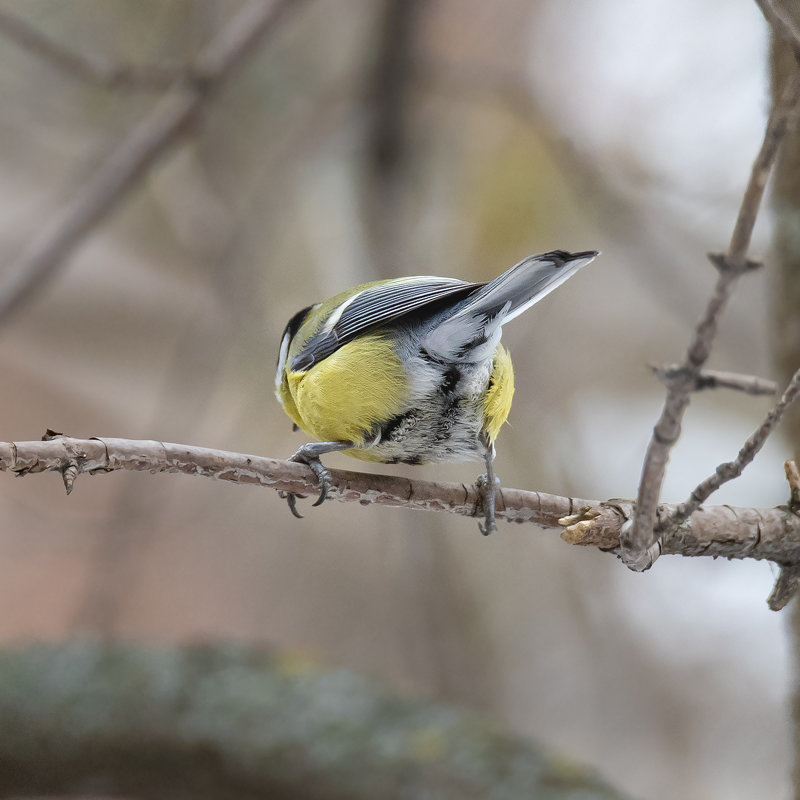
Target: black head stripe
(296,321)
(290,331)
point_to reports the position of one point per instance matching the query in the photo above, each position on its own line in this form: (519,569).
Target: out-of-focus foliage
(205,721)
(523,131)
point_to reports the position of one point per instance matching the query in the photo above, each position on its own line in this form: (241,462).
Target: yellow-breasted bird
(411,370)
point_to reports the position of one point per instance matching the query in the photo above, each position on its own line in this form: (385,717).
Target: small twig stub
(793,479)
(716,379)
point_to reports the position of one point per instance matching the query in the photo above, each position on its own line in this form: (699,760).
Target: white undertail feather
(282,356)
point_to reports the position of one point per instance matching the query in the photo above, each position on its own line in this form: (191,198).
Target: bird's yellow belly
(363,389)
(345,396)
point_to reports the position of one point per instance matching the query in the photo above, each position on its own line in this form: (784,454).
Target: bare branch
(639,541)
(89,69)
(733,469)
(716,379)
(169,121)
(772,534)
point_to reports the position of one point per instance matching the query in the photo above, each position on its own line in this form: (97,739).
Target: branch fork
(639,540)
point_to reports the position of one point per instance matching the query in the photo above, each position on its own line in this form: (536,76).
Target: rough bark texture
(228,721)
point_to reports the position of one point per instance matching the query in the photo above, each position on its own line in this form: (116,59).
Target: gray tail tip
(561,257)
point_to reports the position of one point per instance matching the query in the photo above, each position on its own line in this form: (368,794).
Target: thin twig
(733,469)
(717,379)
(127,164)
(639,547)
(94,70)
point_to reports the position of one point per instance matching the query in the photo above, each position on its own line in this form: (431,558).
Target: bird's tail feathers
(473,330)
(526,283)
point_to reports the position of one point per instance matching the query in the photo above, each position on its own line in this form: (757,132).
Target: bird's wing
(375,306)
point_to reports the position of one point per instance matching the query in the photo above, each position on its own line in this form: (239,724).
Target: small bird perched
(411,370)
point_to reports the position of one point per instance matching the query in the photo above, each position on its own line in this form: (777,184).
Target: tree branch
(640,540)
(95,70)
(766,533)
(150,140)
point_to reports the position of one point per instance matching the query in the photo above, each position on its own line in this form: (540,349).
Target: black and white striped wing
(375,306)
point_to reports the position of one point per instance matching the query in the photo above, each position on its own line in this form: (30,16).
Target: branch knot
(724,263)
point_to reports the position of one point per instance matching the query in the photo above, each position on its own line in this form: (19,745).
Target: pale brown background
(165,325)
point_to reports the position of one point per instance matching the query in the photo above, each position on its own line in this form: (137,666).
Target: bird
(411,370)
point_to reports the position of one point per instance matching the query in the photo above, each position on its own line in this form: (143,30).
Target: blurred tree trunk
(388,160)
(786,305)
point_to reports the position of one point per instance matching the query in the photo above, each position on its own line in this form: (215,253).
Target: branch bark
(759,533)
(169,121)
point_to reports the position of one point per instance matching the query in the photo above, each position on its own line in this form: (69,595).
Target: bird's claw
(323,478)
(291,500)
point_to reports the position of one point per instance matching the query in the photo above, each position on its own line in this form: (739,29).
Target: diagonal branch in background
(766,533)
(640,540)
(169,121)
(91,69)
(733,469)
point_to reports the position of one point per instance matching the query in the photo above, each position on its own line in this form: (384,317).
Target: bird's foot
(486,485)
(310,459)
(309,455)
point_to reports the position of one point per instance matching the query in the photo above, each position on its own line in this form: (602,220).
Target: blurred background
(375,139)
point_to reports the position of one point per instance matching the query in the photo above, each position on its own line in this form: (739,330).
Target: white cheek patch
(283,355)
